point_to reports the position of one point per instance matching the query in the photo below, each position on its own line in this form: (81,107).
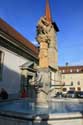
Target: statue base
(44,87)
(42,99)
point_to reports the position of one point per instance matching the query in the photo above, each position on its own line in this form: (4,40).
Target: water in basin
(27,106)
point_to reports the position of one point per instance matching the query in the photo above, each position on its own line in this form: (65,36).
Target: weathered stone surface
(43,55)
(46,37)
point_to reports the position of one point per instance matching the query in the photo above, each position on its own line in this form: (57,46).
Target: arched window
(64,89)
(78,88)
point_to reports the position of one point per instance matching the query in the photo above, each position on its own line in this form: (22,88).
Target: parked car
(79,94)
(71,94)
(58,95)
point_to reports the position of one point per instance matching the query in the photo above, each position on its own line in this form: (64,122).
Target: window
(70,70)
(64,83)
(72,89)
(63,71)
(71,83)
(1,64)
(64,89)
(78,83)
(77,70)
(78,88)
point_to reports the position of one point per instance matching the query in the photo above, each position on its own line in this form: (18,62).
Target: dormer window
(77,70)
(70,70)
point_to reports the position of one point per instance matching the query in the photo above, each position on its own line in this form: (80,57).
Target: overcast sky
(23,15)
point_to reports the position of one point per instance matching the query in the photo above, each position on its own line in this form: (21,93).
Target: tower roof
(49,17)
(48,12)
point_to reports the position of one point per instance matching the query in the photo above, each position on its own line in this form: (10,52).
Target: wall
(11,71)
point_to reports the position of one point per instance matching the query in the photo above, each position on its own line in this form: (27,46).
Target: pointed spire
(48,12)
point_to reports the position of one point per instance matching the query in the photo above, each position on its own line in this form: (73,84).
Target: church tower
(46,36)
(52,46)
(48,12)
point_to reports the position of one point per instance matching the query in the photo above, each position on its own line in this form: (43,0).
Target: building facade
(72,78)
(15,53)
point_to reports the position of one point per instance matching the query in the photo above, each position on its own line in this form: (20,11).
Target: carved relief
(47,40)
(44,30)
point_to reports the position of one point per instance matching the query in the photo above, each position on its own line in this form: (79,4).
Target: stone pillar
(44,87)
(43,55)
(41,99)
(47,57)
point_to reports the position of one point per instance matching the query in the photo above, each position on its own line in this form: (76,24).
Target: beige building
(72,78)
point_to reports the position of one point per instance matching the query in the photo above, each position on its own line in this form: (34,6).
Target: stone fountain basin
(12,117)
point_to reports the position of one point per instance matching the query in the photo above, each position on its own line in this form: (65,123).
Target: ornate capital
(44,29)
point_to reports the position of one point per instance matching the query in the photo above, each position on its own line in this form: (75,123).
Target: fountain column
(44,85)
(46,38)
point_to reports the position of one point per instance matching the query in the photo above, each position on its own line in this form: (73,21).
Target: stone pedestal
(43,55)
(42,99)
(44,87)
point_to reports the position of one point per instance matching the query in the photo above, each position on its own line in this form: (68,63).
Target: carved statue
(44,30)
(42,82)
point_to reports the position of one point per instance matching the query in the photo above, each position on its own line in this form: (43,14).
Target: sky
(23,15)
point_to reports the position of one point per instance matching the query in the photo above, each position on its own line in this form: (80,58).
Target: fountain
(45,111)
(46,37)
